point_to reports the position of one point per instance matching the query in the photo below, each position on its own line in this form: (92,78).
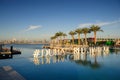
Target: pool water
(86,67)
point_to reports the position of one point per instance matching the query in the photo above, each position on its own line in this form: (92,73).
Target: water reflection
(116,51)
(36,60)
(48,59)
(85,59)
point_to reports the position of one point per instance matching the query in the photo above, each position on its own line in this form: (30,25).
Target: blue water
(103,67)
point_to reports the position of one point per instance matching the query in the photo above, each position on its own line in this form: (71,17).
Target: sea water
(67,67)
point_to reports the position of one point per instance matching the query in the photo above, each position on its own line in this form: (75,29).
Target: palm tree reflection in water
(84,59)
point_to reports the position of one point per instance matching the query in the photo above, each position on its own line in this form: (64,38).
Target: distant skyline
(41,19)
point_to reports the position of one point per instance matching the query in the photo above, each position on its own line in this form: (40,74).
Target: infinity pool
(68,67)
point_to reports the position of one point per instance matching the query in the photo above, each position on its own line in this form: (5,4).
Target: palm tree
(64,35)
(78,31)
(85,31)
(59,35)
(53,38)
(72,33)
(95,28)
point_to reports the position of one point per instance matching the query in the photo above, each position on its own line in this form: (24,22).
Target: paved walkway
(7,73)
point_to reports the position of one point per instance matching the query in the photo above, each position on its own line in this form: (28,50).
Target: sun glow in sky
(41,19)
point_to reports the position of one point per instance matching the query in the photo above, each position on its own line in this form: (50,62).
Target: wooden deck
(7,73)
(4,55)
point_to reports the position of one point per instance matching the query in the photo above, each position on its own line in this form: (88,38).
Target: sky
(41,19)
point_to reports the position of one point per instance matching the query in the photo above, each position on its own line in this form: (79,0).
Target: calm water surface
(102,67)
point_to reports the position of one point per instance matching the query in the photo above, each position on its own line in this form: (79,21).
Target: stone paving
(7,73)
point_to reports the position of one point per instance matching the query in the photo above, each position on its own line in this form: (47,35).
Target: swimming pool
(102,67)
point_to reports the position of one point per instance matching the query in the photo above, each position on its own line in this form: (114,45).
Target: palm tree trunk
(60,40)
(85,40)
(64,40)
(79,39)
(94,37)
(72,39)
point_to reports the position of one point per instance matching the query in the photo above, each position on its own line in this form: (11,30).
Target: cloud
(107,23)
(99,23)
(32,28)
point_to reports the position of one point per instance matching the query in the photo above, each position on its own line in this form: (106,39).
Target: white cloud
(32,28)
(85,25)
(99,23)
